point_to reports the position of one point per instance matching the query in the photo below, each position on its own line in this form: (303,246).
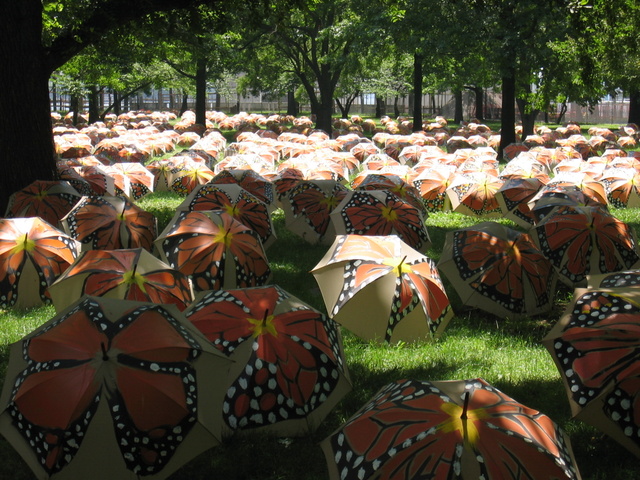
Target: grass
(506,353)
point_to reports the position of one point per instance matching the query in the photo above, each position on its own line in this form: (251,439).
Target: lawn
(506,353)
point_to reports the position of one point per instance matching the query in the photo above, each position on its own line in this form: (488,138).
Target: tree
(37,38)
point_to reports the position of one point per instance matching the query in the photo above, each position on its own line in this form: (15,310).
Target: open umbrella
(474,194)
(130,274)
(432,184)
(33,254)
(188,174)
(514,196)
(382,289)
(380,212)
(595,347)
(237,202)
(48,199)
(581,241)
(461,429)
(112,389)
(499,270)
(289,369)
(307,208)
(140,179)
(110,223)
(251,181)
(396,185)
(214,250)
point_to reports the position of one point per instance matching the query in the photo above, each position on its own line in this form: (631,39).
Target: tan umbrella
(382,289)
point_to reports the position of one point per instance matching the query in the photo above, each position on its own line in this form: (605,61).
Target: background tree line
(537,53)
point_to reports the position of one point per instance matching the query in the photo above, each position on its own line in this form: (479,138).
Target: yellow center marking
(263,326)
(466,428)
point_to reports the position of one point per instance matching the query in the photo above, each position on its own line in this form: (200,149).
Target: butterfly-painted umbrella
(128,274)
(237,202)
(393,183)
(99,180)
(188,175)
(595,347)
(112,389)
(592,188)
(33,254)
(307,208)
(499,270)
(622,186)
(514,196)
(463,429)
(380,212)
(381,289)
(251,181)
(548,198)
(581,241)
(474,194)
(110,223)
(214,250)
(141,180)
(48,199)
(289,369)
(432,183)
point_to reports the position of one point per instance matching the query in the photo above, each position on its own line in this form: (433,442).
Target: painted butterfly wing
(13,255)
(210,197)
(162,286)
(598,346)
(308,200)
(188,177)
(423,279)
(49,200)
(195,247)
(245,248)
(254,214)
(615,243)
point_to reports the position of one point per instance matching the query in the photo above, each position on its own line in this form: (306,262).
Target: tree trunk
(528,118)
(26,152)
(117,108)
(94,107)
(634,106)
(396,106)
(201,91)
(457,109)
(184,106)
(479,94)
(381,108)
(508,121)
(293,108)
(417,92)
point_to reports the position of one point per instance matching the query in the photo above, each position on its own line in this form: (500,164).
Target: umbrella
(382,289)
(33,254)
(595,347)
(550,197)
(380,212)
(622,186)
(432,184)
(112,389)
(462,429)
(289,369)
(499,270)
(48,199)
(251,181)
(475,195)
(140,179)
(581,241)
(110,223)
(394,184)
(130,274)
(237,202)
(307,208)
(514,196)
(214,250)
(188,175)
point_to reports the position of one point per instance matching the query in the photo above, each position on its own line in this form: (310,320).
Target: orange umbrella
(33,254)
(48,199)
(475,195)
(214,250)
(462,429)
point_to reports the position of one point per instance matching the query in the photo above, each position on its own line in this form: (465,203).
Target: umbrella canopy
(307,208)
(581,241)
(622,186)
(595,347)
(214,250)
(140,179)
(464,429)
(380,212)
(432,184)
(188,174)
(129,274)
(499,270)
(393,183)
(112,389)
(33,254)
(289,369)
(251,181)
(514,196)
(237,202)
(110,223)
(474,194)
(382,289)
(48,199)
